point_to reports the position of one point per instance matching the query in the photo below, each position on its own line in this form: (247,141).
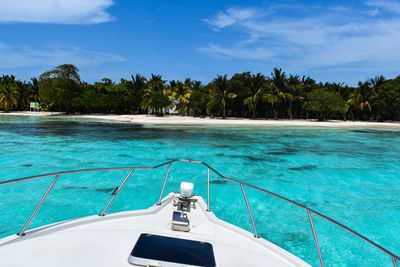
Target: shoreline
(188,120)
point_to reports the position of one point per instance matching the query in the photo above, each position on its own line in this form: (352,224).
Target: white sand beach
(188,120)
(33,113)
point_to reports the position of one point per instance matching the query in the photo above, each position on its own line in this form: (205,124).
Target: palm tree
(23,94)
(155,85)
(294,85)
(256,86)
(198,98)
(271,98)
(156,94)
(378,103)
(8,92)
(360,97)
(135,91)
(340,88)
(378,81)
(219,93)
(279,89)
(343,91)
(181,93)
(34,89)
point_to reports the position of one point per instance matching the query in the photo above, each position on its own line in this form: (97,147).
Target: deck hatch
(176,250)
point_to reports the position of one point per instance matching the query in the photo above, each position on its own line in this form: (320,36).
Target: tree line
(277,96)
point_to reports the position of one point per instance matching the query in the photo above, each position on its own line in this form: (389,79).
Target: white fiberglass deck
(108,241)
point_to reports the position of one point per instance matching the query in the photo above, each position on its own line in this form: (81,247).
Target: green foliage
(279,92)
(135,89)
(58,87)
(220,92)
(159,100)
(389,99)
(254,85)
(243,95)
(154,85)
(325,102)
(181,92)
(198,98)
(8,93)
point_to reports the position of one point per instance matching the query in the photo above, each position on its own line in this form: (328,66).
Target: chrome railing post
(22,232)
(208,189)
(114,195)
(315,239)
(165,182)
(248,209)
(394,262)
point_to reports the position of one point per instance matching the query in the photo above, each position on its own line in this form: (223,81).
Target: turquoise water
(351,174)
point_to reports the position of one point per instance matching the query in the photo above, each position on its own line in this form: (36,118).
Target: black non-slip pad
(176,250)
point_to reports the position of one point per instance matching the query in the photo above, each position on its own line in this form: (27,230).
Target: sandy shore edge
(187,120)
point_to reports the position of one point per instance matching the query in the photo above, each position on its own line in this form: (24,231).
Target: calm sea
(349,174)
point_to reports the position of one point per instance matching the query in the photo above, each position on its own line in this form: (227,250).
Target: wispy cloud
(390,6)
(26,56)
(372,12)
(313,40)
(55,11)
(258,53)
(231,16)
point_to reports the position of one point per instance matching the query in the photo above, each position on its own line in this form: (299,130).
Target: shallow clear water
(351,174)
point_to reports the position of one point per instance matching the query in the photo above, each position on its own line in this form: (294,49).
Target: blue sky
(327,40)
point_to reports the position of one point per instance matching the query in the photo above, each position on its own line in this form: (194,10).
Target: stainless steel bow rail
(394,258)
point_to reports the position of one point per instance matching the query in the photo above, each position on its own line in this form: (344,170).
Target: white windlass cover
(187,189)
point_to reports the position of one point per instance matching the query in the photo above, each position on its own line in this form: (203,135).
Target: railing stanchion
(315,239)
(248,209)
(208,189)
(394,262)
(165,182)
(114,195)
(38,206)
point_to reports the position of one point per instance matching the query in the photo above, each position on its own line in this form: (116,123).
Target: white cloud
(239,53)
(232,16)
(372,12)
(389,6)
(315,40)
(12,58)
(55,11)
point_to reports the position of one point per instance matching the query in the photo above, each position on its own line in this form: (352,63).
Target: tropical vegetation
(276,96)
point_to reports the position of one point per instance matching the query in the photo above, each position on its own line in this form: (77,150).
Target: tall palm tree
(34,89)
(378,102)
(139,82)
(198,98)
(256,86)
(155,87)
(271,98)
(23,92)
(279,89)
(181,92)
(135,91)
(378,81)
(360,97)
(8,92)
(220,93)
(339,87)
(294,84)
